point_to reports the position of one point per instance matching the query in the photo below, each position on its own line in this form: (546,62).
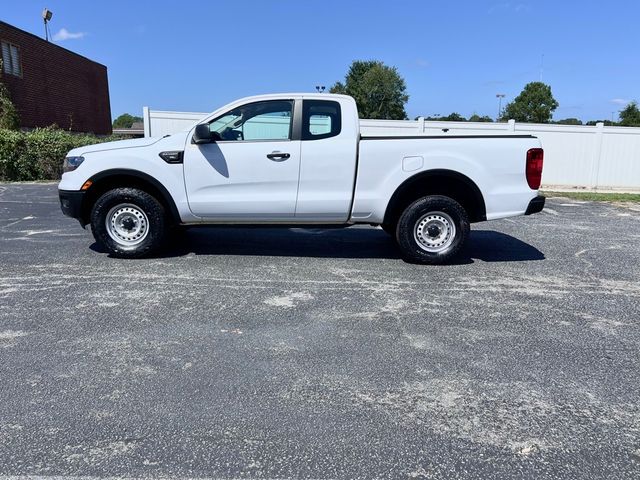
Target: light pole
(499,96)
(320,88)
(46,16)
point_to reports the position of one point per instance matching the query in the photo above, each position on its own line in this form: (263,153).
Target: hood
(101,147)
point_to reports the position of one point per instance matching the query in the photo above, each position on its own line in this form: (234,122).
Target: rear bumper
(71,203)
(535,205)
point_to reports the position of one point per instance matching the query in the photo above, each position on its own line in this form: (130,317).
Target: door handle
(278,156)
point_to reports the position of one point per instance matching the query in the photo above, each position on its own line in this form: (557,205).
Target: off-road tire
(150,211)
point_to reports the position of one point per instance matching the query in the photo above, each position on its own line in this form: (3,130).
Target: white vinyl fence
(585,157)
(158,123)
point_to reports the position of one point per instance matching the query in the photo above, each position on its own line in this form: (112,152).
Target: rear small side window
(320,119)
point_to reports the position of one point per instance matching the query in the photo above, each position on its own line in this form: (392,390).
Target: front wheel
(128,223)
(432,230)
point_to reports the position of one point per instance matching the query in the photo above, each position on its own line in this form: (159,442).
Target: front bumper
(71,203)
(535,205)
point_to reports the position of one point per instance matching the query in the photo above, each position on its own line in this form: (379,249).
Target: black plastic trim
(71,203)
(296,124)
(173,156)
(535,205)
(436,137)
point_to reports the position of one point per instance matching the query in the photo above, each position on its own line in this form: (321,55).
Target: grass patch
(598,197)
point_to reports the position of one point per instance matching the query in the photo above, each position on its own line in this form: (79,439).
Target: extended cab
(300,159)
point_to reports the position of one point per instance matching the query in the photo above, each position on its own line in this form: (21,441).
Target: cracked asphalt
(307,353)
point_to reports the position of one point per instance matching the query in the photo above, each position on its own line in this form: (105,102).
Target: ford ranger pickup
(295,160)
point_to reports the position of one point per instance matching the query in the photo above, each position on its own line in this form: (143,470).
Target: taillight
(535,157)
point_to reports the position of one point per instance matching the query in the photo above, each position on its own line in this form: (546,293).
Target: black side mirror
(202,134)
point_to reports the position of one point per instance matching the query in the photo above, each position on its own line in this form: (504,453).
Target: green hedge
(38,154)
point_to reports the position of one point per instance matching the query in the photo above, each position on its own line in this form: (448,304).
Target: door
(250,171)
(328,161)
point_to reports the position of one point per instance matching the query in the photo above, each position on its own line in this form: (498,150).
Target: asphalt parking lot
(319,353)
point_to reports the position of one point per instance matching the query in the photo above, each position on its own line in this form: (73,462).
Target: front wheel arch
(125,178)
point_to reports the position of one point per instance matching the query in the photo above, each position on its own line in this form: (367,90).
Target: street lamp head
(47,14)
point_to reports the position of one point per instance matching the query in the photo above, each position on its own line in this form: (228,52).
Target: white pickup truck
(300,159)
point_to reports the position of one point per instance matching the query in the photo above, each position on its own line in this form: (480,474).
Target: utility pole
(499,96)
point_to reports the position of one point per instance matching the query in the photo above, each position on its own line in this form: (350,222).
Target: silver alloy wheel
(434,232)
(127,224)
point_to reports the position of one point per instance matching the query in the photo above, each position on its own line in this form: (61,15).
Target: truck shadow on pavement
(354,242)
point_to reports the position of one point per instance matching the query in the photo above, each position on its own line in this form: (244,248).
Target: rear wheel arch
(121,178)
(443,182)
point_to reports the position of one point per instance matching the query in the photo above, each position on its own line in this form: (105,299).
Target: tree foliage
(379,90)
(607,123)
(477,118)
(125,121)
(569,121)
(453,117)
(535,104)
(9,118)
(630,116)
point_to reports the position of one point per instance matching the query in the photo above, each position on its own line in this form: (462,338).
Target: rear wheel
(128,223)
(432,230)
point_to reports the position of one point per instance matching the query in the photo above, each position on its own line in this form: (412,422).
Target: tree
(569,121)
(8,114)
(453,117)
(607,123)
(379,90)
(477,118)
(630,116)
(535,104)
(125,121)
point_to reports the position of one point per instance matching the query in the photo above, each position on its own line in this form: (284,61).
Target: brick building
(52,85)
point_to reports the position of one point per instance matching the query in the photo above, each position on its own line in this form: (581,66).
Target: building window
(11,59)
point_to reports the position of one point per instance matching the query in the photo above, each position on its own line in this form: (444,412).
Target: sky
(455,55)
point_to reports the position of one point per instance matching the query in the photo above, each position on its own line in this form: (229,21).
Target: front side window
(11,59)
(269,120)
(320,119)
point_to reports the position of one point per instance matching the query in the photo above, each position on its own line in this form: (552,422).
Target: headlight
(71,163)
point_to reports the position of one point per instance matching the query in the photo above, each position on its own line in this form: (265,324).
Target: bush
(38,154)
(8,114)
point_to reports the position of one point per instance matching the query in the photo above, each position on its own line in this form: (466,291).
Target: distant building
(136,130)
(52,85)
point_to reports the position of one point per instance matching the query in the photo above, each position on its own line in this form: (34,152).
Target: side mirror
(202,134)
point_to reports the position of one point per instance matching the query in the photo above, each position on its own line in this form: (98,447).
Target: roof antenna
(46,16)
